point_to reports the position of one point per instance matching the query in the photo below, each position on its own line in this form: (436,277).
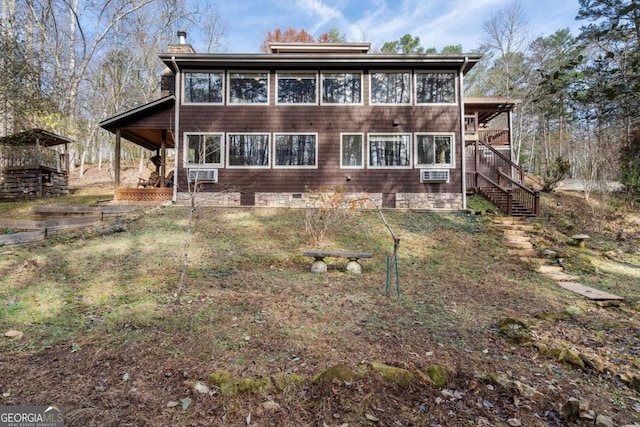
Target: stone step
(523,252)
(550,269)
(519,245)
(517,238)
(514,227)
(509,220)
(591,293)
(533,260)
(562,277)
(514,232)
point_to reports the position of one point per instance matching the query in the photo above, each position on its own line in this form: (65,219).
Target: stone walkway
(518,241)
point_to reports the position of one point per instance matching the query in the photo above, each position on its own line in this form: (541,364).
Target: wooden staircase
(495,177)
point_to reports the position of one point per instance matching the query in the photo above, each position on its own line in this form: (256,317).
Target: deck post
(116,158)
(163,156)
(509,202)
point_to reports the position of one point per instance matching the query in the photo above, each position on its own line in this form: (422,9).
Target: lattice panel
(144,194)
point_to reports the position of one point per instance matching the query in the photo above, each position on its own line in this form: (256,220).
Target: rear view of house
(267,129)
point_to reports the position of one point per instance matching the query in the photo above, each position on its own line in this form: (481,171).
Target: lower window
(204,148)
(248,150)
(351,150)
(295,150)
(390,151)
(434,150)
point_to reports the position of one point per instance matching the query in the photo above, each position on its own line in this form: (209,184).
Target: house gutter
(462,140)
(176,137)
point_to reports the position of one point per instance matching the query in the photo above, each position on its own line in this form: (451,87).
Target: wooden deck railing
(494,136)
(489,160)
(30,156)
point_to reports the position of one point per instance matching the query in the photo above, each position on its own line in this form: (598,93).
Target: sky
(438,23)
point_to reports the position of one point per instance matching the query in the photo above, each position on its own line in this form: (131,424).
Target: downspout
(176,138)
(462,140)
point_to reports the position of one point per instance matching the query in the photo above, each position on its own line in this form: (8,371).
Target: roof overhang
(32,136)
(150,138)
(326,60)
(489,108)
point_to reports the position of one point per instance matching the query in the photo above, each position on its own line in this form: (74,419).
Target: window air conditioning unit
(203,175)
(434,175)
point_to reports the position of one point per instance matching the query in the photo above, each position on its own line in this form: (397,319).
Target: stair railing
(523,196)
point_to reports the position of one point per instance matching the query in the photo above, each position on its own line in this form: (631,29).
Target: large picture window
(203,88)
(390,151)
(435,88)
(249,88)
(391,88)
(351,150)
(203,149)
(295,150)
(248,150)
(342,88)
(297,88)
(434,150)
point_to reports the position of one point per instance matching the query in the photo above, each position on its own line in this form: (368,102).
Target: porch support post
(163,157)
(116,158)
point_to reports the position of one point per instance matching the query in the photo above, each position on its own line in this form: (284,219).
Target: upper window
(203,88)
(435,88)
(341,88)
(297,88)
(351,150)
(434,150)
(203,149)
(249,88)
(393,150)
(391,88)
(248,150)
(296,150)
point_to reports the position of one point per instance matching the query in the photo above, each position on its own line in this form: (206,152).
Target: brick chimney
(182,46)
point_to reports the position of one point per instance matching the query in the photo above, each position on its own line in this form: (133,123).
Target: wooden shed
(33,163)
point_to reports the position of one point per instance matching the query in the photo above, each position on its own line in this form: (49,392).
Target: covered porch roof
(489,108)
(33,136)
(134,127)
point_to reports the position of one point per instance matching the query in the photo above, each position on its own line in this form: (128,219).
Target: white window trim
(185,151)
(184,86)
(276,166)
(369,135)
(362,155)
(435,104)
(411,90)
(248,104)
(435,166)
(229,134)
(340,104)
(298,72)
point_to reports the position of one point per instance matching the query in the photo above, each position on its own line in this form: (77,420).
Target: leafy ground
(104,337)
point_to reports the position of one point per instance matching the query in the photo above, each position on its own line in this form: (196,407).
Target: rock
(548,253)
(338,373)
(528,391)
(593,362)
(514,422)
(249,385)
(354,267)
(197,386)
(398,376)
(604,421)
(282,379)
(515,330)
(438,375)
(570,411)
(270,405)
(319,267)
(16,335)
(571,357)
(574,311)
